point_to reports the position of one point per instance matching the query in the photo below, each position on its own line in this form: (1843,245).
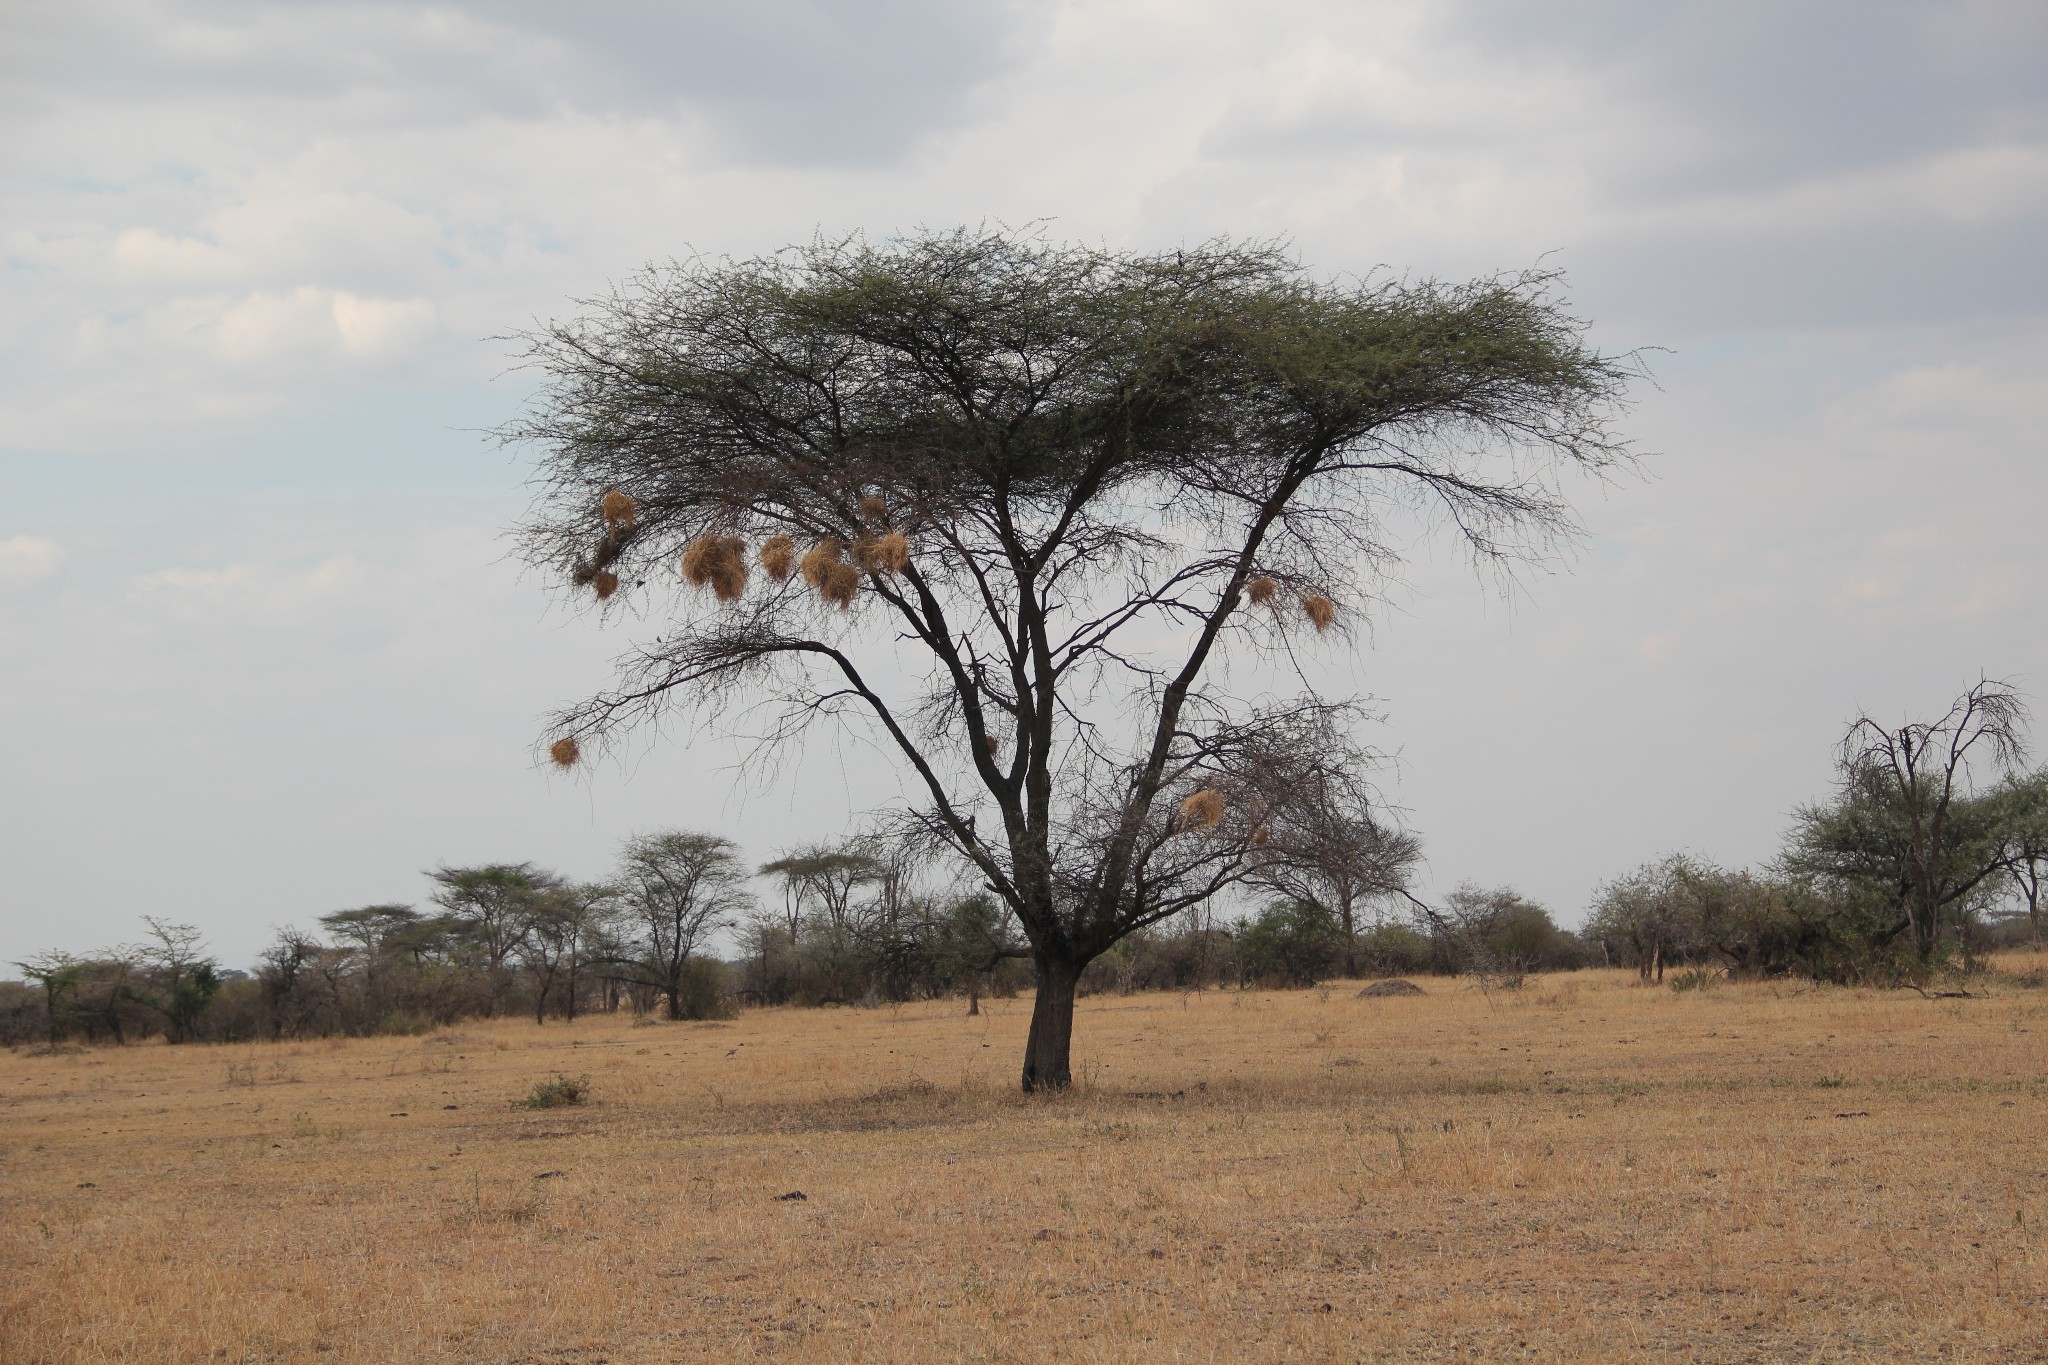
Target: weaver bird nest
(718,563)
(1202,810)
(778,557)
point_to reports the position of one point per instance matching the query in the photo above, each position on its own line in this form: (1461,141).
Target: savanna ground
(1584,1169)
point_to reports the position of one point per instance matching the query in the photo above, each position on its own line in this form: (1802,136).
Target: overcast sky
(261,656)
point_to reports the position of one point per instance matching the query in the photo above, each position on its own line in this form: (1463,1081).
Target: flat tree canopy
(1063,486)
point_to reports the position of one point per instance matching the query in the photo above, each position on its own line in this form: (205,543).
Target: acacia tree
(2026,842)
(181,977)
(487,906)
(58,974)
(372,930)
(1327,845)
(559,925)
(679,888)
(823,877)
(1059,488)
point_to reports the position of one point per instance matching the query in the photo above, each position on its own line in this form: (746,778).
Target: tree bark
(1047,1050)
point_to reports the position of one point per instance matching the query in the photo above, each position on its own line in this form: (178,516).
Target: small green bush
(555,1094)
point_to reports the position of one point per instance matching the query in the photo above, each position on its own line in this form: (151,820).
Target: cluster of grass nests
(1264,592)
(833,567)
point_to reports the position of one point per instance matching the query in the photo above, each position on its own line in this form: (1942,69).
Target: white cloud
(25,560)
(381,329)
(1657,649)
(210,581)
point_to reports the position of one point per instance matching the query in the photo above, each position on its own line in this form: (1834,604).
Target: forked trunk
(1050,1045)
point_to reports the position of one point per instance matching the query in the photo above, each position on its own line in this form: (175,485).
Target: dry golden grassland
(1585,1169)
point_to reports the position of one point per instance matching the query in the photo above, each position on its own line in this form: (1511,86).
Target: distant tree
(59,975)
(372,927)
(429,938)
(1326,842)
(678,889)
(281,974)
(2025,824)
(180,978)
(823,879)
(562,923)
(1916,829)
(487,906)
(1291,942)
(1019,504)
(107,993)
(1497,936)
(1647,917)
(974,935)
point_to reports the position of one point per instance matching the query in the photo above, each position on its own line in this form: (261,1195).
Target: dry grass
(1584,1169)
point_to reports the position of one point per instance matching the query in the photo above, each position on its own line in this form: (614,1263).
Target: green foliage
(556,1093)
(1392,950)
(1498,936)
(1290,943)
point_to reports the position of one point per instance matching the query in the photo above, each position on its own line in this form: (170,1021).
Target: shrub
(1291,943)
(557,1093)
(1391,950)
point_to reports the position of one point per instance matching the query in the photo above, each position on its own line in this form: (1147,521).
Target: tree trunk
(1047,1050)
(1350,940)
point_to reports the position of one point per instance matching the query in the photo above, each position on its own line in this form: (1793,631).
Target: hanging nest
(873,509)
(883,554)
(1203,810)
(778,557)
(820,558)
(618,508)
(840,584)
(583,573)
(1321,610)
(605,582)
(1262,590)
(1261,836)
(718,563)
(565,751)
